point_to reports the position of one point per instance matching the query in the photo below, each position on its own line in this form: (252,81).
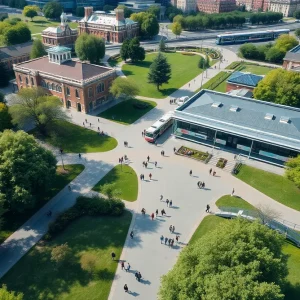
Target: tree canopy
(176,28)
(160,71)
(286,42)
(132,49)
(31,105)
(292,171)
(162,45)
(90,47)
(127,11)
(15,33)
(26,170)
(38,49)
(279,86)
(7,295)
(274,55)
(123,86)
(239,260)
(31,11)
(296,14)
(52,10)
(149,25)
(154,10)
(5,117)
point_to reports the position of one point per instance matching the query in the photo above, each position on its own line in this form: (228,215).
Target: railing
(288,229)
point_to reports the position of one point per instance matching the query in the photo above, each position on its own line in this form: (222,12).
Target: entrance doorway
(231,142)
(68,104)
(78,107)
(90,106)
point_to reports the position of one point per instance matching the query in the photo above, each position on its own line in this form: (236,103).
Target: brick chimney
(88,12)
(119,14)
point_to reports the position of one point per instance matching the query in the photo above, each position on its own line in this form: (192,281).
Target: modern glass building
(257,129)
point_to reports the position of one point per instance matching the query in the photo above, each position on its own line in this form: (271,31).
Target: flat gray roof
(249,120)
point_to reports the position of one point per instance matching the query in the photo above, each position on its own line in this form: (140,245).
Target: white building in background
(186,5)
(286,7)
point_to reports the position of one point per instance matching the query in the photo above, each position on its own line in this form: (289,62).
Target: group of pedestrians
(168,241)
(201,185)
(211,172)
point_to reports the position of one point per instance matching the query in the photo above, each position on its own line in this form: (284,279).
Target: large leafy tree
(274,55)
(26,170)
(149,25)
(176,28)
(286,42)
(123,86)
(52,10)
(90,47)
(31,105)
(37,50)
(127,11)
(154,10)
(296,14)
(16,34)
(240,260)
(8,295)
(31,11)
(136,52)
(5,117)
(160,71)
(279,86)
(125,48)
(293,170)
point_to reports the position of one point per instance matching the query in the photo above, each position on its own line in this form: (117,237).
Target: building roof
(293,54)
(241,93)
(107,18)
(53,30)
(15,50)
(247,79)
(218,110)
(59,49)
(71,69)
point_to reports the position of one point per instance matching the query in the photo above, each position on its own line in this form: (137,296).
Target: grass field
(11,222)
(258,70)
(221,87)
(39,278)
(40,23)
(209,223)
(113,62)
(76,139)
(234,201)
(126,113)
(124,179)
(275,186)
(184,68)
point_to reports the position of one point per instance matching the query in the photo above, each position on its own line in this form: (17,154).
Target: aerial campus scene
(150,149)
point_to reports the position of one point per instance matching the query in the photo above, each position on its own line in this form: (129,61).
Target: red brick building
(254,5)
(291,60)
(240,80)
(216,6)
(79,85)
(112,26)
(62,35)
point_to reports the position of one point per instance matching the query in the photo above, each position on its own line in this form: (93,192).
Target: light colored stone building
(187,5)
(286,7)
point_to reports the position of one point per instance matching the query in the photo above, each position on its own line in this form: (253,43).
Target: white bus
(159,127)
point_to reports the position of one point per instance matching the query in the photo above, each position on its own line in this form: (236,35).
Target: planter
(221,163)
(195,154)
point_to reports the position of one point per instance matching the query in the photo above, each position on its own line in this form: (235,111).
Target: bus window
(149,134)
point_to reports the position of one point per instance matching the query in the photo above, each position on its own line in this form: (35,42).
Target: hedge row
(215,81)
(85,206)
(233,65)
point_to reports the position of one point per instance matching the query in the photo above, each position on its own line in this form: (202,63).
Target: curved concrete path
(170,178)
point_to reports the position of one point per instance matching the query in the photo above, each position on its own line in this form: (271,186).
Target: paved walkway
(170,178)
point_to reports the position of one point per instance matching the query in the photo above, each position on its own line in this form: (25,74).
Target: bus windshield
(149,134)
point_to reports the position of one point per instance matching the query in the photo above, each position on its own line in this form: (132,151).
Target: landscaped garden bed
(198,155)
(221,163)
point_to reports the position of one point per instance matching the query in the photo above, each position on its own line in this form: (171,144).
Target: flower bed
(221,163)
(199,155)
(188,53)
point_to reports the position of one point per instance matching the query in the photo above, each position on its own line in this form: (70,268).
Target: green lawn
(258,70)
(126,112)
(209,223)
(76,139)
(234,201)
(38,277)
(40,23)
(184,68)
(11,222)
(114,61)
(221,87)
(124,180)
(275,186)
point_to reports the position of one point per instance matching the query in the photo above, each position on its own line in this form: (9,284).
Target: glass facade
(232,142)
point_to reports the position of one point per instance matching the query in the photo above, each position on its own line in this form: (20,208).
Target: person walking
(210,170)
(139,276)
(113,255)
(166,240)
(207,208)
(79,155)
(69,187)
(199,184)
(150,176)
(131,234)
(169,242)
(128,267)
(232,193)
(172,242)
(161,197)
(174,149)
(98,121)
(122,265)
(143,211)
(167,201)
(170,228)
(126,288)
(90,124)
(148,158)
(141,176)
(152,216)
(146,164)
(155,164)
(142,133)
(203,184)
(171,203)
(214,173)
(173,229)
(156,212)
(83,124)
(136,275)
(191,172)
(177,238)
(161,239)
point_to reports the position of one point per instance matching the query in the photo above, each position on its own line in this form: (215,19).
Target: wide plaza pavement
(170,178)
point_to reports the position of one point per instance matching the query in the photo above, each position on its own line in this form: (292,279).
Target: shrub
(88,262)
(233,65)
(61,254)
(188,53)
(140,105)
